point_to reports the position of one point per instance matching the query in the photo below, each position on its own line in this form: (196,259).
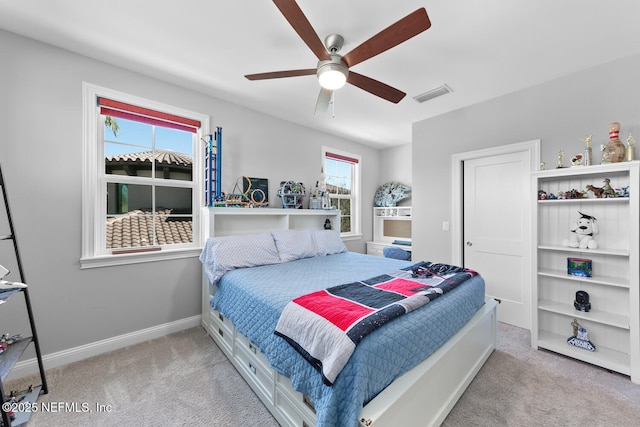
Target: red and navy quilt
(326,326)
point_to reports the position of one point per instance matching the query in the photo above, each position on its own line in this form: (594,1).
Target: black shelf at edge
(30,397)
(10,356)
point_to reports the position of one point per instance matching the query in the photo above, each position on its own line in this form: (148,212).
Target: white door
(496,230)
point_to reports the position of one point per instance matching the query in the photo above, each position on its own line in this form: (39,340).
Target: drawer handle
(252,368)
(221,317)
(253,348)
(305,424)
(307,401)
(221,332)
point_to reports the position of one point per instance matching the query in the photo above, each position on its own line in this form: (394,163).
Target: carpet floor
(184,379)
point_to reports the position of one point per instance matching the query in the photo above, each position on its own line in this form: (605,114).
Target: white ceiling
(481,49)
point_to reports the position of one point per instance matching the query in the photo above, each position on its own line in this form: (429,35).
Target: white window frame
(356,198)
(94,184)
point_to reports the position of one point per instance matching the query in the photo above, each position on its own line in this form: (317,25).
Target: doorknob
(469,244)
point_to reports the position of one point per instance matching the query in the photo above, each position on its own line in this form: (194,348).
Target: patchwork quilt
(326,326)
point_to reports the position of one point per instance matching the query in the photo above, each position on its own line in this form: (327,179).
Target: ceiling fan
(333,69)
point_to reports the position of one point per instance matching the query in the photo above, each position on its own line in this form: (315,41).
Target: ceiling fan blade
(324,99)
(300,23)
(409,26)
(375,87)
(281,74)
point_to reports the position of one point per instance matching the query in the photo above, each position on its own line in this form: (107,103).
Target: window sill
(137,258)
(351,236)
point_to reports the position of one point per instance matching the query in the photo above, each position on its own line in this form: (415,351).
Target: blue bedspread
(254,298)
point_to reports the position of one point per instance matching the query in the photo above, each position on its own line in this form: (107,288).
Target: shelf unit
(390,224)
(613,323)
(14,351)
(230,221)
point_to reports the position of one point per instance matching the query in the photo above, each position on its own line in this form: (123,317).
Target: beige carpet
(184,379)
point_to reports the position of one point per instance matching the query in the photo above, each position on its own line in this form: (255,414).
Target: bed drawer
(294,399)
(254,352)
(223,330)
(254,372)
(291,412)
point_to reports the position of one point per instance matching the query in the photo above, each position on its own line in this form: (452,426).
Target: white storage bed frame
(440,379)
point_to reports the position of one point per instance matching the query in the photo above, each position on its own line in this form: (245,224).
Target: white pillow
(328,242)
(294,244)
(222,254)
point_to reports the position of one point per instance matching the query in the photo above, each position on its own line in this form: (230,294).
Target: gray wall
(41,156)
(558,113)
(396,164)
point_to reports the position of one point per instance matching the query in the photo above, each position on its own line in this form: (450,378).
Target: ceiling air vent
(433,93)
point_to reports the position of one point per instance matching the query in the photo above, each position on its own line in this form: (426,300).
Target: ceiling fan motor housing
(334,43)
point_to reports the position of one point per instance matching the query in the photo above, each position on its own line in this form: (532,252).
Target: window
(142,183)
(342,181)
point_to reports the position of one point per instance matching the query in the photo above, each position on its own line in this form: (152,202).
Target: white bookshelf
(613,323)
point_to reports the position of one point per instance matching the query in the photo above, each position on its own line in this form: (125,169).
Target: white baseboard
(64,357)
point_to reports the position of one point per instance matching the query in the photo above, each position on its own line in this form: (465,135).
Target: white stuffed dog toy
(582,233)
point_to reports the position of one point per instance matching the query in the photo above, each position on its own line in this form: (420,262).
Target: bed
(388,380)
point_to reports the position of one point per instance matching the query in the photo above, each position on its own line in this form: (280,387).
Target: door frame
(457,186)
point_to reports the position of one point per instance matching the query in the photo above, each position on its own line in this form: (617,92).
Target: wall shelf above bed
(230,221)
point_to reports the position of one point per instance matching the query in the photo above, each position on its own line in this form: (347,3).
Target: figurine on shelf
(614,151)
(580,338)
(576,160)
(604,191)
(631,147)
(581,303)
(607,191)
(588,160)
(575,194)
(623,191)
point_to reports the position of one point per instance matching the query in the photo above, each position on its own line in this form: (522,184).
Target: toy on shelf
(256,191)
(582,232)
(580,267)
(214,197)
(291,194)
(581,303)
(614,151)
(577,160)
(580,338)
(390,193)
(604,191)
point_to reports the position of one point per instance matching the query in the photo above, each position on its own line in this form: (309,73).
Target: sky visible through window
(338,174)
(136,137)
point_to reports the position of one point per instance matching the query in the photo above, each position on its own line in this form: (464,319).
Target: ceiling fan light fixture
(332,75)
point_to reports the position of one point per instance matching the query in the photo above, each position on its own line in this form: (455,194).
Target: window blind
(109,107)
(341,157)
